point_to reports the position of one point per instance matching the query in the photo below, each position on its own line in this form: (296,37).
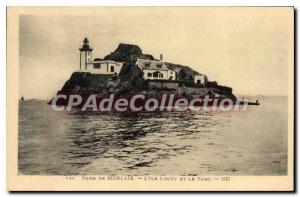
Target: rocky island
(127,71)
(131,76)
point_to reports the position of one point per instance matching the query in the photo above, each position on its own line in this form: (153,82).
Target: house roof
(151,64)
(96,60)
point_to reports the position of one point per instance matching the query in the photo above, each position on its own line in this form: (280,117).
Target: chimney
(161,57)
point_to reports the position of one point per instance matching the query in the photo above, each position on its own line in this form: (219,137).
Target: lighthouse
(85,54)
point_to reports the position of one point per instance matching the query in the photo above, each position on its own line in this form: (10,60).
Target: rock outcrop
(127,53)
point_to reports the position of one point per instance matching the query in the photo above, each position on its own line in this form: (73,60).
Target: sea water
(252,142)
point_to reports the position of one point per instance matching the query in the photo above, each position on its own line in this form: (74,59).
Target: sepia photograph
(150,98)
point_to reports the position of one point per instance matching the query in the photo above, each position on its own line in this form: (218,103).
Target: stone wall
(163,84)
(191,91)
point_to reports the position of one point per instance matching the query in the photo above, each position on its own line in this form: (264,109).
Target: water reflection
(135,138)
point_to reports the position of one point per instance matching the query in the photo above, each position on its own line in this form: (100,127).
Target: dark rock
(130,78)
(82,82)
(127,53)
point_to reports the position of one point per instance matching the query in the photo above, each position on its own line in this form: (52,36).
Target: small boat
(254,103)
(249,103)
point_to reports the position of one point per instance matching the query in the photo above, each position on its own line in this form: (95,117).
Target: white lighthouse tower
(85,54)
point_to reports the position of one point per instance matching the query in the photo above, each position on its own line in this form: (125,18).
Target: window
(161,76)
(155,74)
(149,74)
(112,69)
(97,66)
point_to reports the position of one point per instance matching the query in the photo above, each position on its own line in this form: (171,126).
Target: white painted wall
(199,77)
(85,55)
(89,56)
(163,72)
(105,68)
(166,74)
(82,59)
(172,73)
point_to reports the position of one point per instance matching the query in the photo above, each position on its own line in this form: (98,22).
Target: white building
(154,69)
(104,67)
(97,66)
(200,79)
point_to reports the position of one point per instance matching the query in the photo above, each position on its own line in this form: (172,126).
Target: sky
(248,49)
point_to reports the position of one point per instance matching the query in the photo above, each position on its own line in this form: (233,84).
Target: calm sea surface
(181,143)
